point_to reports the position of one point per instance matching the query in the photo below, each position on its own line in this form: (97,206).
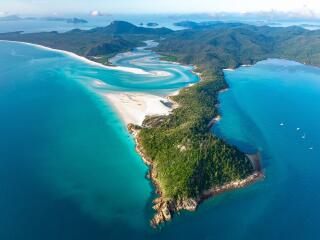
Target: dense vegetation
(222,45)
(101,43)
(186,157)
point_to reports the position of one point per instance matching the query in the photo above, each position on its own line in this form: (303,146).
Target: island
(187,162)
(152,24)
(76,20)
(15,18)
(191,24)
(67,20)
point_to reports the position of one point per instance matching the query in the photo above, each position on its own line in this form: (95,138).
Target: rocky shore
(166,208)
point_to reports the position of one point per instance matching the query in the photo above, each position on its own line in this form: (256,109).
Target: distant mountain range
(15,18)
(68,20)
(117,37)
(54,19)
(303,14)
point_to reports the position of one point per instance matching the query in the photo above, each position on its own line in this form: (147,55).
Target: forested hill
(212,43)
(119,36)
(208,162)
(222,45)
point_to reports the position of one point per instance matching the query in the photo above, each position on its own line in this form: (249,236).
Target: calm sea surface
(163,20)
(68,169)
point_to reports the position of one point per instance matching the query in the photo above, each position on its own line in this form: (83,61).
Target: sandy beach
(86,60)
(134,107)
(229,69)
(83,59)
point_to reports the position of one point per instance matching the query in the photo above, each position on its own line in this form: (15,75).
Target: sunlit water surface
(68,168)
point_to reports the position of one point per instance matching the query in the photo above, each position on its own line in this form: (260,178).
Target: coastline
(134,107)
(166,208)
(86,60)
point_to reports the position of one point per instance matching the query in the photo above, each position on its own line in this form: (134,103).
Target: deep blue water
(273,107)
(68,169)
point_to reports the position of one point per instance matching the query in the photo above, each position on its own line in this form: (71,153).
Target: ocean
(39,24)
(68,165)
(68,168)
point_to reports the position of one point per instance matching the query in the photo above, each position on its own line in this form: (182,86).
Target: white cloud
(96,13)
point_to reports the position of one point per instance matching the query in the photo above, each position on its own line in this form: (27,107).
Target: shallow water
(68,166)
(68,169)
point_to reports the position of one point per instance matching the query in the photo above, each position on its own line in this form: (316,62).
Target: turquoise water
(68,169)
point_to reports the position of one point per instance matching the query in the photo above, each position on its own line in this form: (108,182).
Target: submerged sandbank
(86,60)
(132,107)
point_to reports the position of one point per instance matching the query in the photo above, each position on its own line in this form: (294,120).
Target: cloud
(96,13)
(303,13)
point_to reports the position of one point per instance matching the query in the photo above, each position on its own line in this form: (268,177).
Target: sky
(151,6)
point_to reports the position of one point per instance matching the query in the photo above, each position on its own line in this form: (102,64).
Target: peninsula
(187,162)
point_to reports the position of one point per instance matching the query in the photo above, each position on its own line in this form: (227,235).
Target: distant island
(51,19)
(187,162)
(67,20)
(191,24)
(15,18)
(76,20)
(309,25)
(152,24)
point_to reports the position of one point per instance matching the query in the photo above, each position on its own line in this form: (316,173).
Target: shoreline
(134,107)
(86,60)
(254,177)
(133,115)
(164,208)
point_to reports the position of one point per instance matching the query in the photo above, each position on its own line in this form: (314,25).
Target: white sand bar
(134,107)
(86,60)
